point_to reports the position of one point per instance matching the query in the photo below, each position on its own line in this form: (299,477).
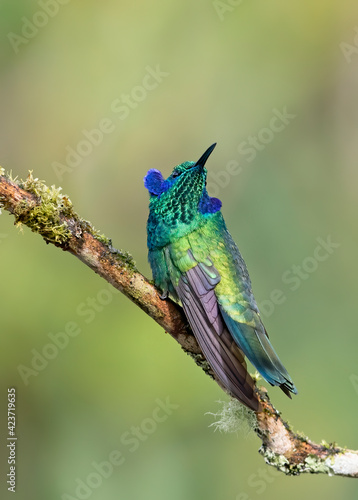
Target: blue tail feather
(258,349)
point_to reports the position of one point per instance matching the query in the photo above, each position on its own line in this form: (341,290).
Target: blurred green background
(227,68)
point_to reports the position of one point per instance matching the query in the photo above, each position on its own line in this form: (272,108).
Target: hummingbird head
(182,196)
(180,203)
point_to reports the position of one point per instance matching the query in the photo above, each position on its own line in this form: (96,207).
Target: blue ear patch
(208,205)
(154,181)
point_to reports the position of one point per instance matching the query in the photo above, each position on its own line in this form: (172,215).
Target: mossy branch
(49,213)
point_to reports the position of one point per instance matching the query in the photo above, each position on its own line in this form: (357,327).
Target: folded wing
(196,292)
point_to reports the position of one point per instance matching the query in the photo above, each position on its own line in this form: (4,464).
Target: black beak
(202,160)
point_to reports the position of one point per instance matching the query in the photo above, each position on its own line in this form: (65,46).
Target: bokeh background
(227,67)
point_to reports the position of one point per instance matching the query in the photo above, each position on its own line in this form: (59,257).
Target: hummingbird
(195,261)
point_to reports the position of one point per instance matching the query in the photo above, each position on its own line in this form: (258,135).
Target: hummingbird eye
(181,169)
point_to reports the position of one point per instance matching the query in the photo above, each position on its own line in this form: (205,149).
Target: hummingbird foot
(164,295)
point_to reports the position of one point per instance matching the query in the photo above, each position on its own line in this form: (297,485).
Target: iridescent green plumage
(195,260)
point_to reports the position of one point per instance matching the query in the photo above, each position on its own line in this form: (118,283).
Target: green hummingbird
(195,260)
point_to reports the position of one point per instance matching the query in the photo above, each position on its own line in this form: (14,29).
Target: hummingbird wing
(210,277)
(196,291)
(241,316)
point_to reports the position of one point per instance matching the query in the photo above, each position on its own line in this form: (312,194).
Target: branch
(49,213)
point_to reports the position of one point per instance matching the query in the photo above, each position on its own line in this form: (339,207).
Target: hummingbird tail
(255,344)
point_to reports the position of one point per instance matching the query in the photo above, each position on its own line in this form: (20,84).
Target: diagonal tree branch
(46,211)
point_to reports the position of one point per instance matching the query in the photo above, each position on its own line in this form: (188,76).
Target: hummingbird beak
(202,160)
